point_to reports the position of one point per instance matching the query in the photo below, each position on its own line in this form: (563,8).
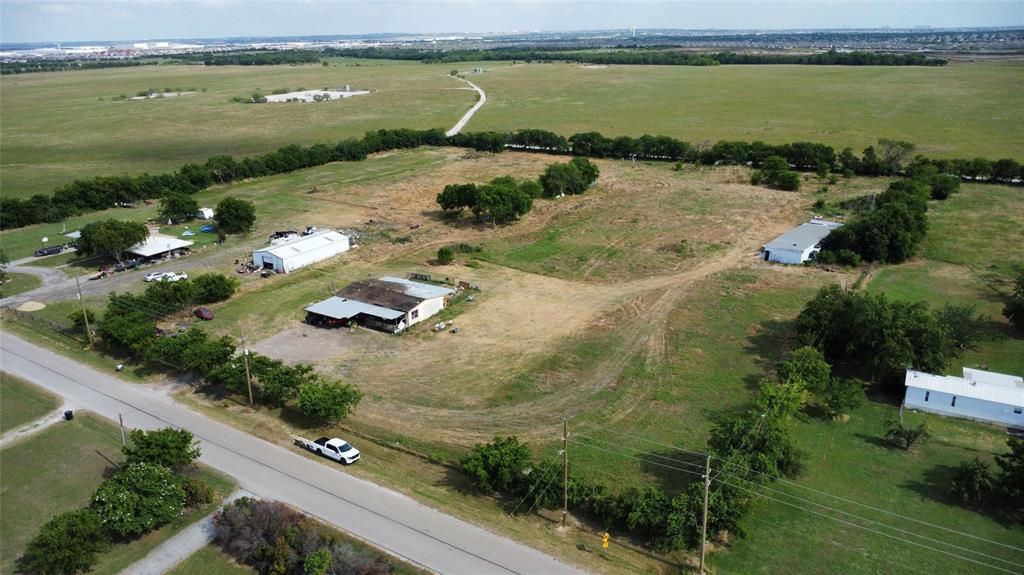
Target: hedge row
(100,193)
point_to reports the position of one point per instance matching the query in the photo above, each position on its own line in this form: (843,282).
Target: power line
(832,509)
(673,447)
(638,451)
(537,498)
(859,526)
(826,494)
(534,486)
(885,525)
(641,459)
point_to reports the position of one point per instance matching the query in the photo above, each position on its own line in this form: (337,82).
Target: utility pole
(704,517)
(85,312)
(245,359)
(565,471)
(120,419)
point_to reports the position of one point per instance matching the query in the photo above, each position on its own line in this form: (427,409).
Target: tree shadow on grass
(935,484)
(770,343)
(673,470)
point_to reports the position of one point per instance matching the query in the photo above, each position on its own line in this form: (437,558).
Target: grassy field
(210,560)
(18,283)
(62,126)
(58,470)
(599,314)
(21,402)
(960,110)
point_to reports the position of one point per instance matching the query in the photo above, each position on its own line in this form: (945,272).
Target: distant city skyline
(23,21)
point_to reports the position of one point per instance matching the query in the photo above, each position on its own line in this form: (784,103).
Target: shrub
(905,437)
(317,562)
(445,255)
(972,482)
(848,258)
(808,366)
(788,180)
(78,318)
(499,465)
(197,491)
(1014,308)
(841,396)
(169,447)
(139,498)
(69,543)
(1010,482)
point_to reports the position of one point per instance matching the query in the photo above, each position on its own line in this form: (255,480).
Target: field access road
(465,118)
(385,518)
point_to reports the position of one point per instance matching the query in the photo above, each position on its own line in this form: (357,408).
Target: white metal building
(980,395)
(205,213)
(800,243)
(159,245)
(292,253)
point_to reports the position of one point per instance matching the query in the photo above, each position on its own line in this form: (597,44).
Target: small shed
(298,252)
(799,244)
(205,213)
(338,311)
(159,246)
(980,395)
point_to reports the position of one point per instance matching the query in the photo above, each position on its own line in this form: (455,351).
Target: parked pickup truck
(332,448)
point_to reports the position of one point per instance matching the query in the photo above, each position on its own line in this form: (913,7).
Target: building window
(1017,410)
(415,314)
(926,394)
(954,402)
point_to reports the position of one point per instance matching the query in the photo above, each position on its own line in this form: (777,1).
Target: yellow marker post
(604,540)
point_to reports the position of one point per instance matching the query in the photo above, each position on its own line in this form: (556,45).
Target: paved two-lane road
(388,519)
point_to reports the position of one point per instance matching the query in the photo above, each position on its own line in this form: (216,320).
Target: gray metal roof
(1012,394)
(304,244)
(417,289)
(341,308)
(158,244)
(803,236)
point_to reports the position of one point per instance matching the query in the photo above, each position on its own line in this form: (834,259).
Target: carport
(338,311)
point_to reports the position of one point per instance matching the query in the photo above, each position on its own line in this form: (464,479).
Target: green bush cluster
(149,490)
(274,539)
(882,337)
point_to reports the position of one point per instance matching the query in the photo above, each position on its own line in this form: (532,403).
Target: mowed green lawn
(18,283)
(58,470)
(62,126)
(960,110)
(210,560)
(21,402)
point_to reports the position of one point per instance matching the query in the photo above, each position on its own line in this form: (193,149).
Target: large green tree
(169,447)
(177,207)
(498,466)
(110,238)
(327,402)
(234,216)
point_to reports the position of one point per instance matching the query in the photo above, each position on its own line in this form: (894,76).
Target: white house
(980,395)
(293,252)
(800,243)
(388,303)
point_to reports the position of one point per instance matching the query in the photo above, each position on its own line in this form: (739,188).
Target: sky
(118,20)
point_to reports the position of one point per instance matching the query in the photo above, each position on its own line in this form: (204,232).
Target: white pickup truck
(332,448)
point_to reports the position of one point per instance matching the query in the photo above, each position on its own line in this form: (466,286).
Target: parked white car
(173,277)
(337,449)
(154,276)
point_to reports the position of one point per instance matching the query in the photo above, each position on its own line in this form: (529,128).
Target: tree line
(30,66)
(645,56)
(103,192)
(156,483)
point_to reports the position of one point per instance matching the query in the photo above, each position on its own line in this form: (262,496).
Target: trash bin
(69,415)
